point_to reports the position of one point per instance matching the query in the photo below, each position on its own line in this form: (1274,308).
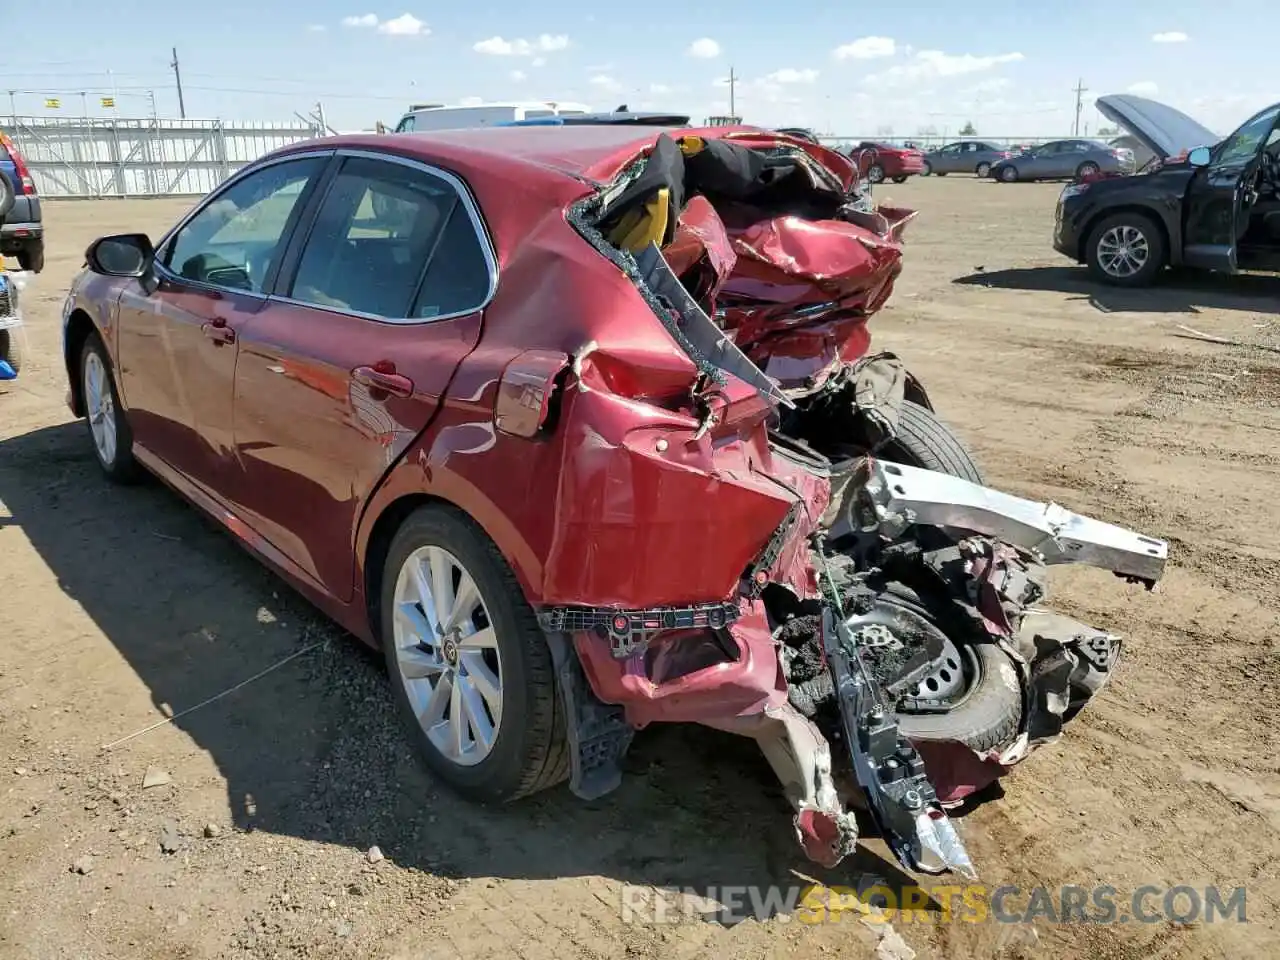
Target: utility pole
(1081,90)
(13,107)
(733,80)
(177,75)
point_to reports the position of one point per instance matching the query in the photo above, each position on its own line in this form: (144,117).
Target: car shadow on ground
(1177,292)
(315,749)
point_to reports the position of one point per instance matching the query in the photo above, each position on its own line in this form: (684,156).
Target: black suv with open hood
(1202,202)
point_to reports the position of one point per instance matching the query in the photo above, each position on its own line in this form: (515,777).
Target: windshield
(1242,146)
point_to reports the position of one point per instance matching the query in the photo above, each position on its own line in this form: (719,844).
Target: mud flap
(598,733)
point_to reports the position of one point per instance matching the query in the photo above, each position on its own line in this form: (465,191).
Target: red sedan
(555,416)
(882,161)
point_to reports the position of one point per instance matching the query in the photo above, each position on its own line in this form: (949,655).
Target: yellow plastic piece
(645,225)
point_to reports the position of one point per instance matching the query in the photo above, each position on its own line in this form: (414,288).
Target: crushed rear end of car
(730,547)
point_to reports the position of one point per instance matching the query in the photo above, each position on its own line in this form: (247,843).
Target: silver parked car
(1064,160)
(967,156)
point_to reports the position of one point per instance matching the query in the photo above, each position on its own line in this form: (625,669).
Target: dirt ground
(119,607)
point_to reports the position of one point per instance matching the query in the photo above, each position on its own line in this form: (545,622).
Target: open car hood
(1166,132)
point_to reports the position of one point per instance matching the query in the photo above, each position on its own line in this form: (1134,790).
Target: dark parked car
(1064,160)
(622,117)
(21,228)
(581,455)
(968,156)
(883,161)
(1208,204)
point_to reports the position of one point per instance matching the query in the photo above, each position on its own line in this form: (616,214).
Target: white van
(438,116)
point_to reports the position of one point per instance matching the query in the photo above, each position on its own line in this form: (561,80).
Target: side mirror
(1200,157)
(125,255)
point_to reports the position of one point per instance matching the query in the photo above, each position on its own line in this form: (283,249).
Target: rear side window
(392,241)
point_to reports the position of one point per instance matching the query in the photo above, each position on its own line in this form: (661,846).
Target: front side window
(234,240)
(1242,146)
(406,125)
(378,228)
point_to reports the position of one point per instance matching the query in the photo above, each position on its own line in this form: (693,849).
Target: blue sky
(897,69)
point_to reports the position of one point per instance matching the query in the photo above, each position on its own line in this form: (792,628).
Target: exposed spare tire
(988,714)
(925,441)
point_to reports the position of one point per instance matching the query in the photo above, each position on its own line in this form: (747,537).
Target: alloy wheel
(983,169)
(100,407)
(1123,251)
(446,655)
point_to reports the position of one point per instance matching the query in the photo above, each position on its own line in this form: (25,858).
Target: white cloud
(606,83)
(405,25)
(538,62)
(316,28)
(789,75)
(704,49)
(499,47)
(518,76)
(1171,36)
(361,20)
(929,65)
(1144,88)
(866,48)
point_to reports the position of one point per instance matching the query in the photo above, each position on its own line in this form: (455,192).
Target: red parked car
(883,161)
(574,423)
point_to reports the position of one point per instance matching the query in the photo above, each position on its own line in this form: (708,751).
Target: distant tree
(967,130)
(884,131)
(1108,131)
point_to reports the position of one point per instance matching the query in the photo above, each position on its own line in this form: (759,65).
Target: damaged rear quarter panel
(591,511)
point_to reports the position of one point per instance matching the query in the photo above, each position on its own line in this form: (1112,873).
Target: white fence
(91,158)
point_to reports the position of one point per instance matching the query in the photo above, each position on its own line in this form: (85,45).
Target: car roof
(595,152)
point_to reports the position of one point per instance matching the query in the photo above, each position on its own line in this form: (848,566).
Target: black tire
(1156,252)
(6,196)
(988,716)
(11,349)
(1087,169)
(31,257)
(925,441)
(875,173)
(122,467)
(941,174)
(1009,174)
(530,751)
(899,179)
(926,170)
(983,169)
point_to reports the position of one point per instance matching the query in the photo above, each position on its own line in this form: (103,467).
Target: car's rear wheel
(106,420)
(11,348)
(983,169)
(1126,250)
(926,169)
(875,173)
(31,257)
(1086,170)
(469,663)
(1009,174)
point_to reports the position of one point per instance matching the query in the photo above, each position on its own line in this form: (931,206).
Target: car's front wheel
(983,169)
(1126,250)
(469,663)
(106,420)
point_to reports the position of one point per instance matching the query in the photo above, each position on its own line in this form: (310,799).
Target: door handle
(382,376)
(218,331)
